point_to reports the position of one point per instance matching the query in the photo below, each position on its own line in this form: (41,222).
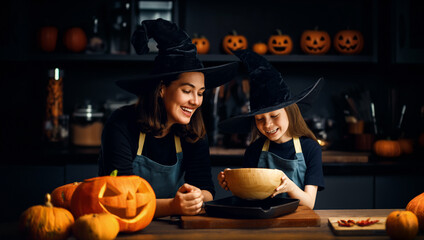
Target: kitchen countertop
(166,229)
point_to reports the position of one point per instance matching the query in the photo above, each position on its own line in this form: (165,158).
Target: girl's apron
(164,179)
(293,168)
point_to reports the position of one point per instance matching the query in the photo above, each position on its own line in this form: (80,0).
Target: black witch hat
(268,92)
(177,54)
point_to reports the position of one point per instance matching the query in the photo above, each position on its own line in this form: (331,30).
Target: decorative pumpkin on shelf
(46,222)
(416,205)
(348,42)
(406,145)
(61,196)
(315,41)
(402,225)
(130,199)
(47,38)
(75,39)
(233,42)
(280,44)
(260,48)
(387,148)
(96,226)
(202,44)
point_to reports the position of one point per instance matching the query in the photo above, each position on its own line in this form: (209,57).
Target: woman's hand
(286,185)
(188,200)
(221,180)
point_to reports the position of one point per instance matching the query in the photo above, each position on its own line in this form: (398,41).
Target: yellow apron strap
(297,146)
(141,143)
(178,148)
(265,148)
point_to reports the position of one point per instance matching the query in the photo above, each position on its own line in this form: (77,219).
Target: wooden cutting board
(375,229)
(302,217)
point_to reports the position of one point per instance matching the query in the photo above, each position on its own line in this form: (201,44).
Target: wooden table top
(167,229)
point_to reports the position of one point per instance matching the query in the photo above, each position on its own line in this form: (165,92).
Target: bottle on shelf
(120,28)
(96,42)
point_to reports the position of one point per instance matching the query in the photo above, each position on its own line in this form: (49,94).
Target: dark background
(389,67)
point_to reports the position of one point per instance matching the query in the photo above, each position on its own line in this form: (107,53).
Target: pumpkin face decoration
(387,148)
(202,44)
(61,196)
(348,42)
(234,42)
(315,42)
(280,44)
(130,199)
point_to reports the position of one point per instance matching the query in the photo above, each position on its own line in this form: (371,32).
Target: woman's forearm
(307,197)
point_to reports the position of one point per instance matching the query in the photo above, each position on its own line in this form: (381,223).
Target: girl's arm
(307,197)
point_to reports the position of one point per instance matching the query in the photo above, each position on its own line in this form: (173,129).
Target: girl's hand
(188,200)
(221,180)
(286,185)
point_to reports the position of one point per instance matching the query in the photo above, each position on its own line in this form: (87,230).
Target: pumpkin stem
(316,28)
(48,200)
(114,173)
(195,35)
(278,31)
(234,32)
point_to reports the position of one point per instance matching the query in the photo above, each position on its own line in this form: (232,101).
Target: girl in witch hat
(162,137)
(280,137)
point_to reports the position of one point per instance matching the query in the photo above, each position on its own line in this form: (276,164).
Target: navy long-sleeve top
(120,143)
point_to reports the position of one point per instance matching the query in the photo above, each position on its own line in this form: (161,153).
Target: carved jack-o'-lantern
(315,42)
(130,199)
(233,42)
(202,44)
(349,41)
(280,44)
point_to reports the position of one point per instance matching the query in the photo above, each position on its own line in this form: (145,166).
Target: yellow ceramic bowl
(253,183)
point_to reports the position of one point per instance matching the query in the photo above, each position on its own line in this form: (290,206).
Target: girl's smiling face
(274,125)
(183,96)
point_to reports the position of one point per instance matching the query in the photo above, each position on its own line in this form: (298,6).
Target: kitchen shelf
(57,57)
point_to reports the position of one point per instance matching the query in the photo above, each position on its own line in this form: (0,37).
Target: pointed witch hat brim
(177,54)
(268,92)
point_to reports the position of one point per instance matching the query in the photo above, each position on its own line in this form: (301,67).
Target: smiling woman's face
(183,96)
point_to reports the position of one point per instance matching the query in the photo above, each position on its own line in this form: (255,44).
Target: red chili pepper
(366,222)
(346,223)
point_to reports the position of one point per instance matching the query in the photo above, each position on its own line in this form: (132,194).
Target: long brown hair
(152,116)
(297,125)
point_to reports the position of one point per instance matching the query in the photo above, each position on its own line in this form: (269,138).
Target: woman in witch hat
(280,137)
(162,137)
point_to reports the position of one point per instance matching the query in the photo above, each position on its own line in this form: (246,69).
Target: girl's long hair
(152,116)
(297,125)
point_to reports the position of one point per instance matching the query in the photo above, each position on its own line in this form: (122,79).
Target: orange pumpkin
(387,148)
(402,225)
(416,205)
(406,145)
(260,48)
(75,39)
(61,196)
(47,38)
(202,44)
(348,42)
(130,199)
(46,222)
(280,44)
(233,42)
(315,42)
(96,226)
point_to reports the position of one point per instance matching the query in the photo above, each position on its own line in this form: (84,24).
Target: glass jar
(87,125)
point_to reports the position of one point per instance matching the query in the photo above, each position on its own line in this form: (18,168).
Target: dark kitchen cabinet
(408,31)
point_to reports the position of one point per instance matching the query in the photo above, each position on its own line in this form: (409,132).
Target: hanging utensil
(374,120)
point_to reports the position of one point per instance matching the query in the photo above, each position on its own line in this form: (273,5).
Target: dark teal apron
(293,168)
(164,179)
